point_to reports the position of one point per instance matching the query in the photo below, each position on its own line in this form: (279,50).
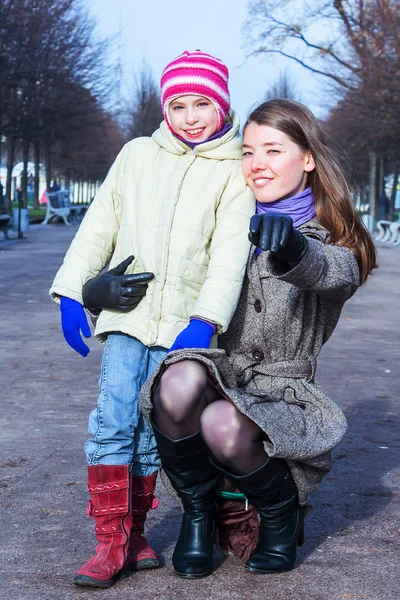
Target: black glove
(275,232)
(115,291)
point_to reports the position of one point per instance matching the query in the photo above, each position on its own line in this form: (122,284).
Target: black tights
(185,402)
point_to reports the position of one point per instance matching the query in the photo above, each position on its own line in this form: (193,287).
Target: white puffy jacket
(184,215)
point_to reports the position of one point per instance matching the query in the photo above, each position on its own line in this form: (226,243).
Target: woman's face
(274,166)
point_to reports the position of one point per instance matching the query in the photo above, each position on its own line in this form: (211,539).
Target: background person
(55,187)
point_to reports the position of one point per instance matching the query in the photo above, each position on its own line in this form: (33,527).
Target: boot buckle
(89,509)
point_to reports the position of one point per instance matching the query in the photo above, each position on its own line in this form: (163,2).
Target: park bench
(60,205)
(388,232)
(4,222)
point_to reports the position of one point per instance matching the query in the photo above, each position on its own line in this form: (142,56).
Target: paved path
(47,391)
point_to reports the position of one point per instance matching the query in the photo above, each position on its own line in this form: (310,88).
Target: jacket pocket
(191,277)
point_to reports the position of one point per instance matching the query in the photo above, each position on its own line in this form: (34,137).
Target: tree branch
(342,82)
(296,33)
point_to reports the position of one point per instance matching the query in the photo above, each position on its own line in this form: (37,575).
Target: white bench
(60,205)
(388,232)
(395,231)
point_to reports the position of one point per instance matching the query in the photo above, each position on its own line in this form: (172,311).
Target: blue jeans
(120,432)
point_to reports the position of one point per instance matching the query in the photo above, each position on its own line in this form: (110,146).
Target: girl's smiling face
(193,118)
(274,166)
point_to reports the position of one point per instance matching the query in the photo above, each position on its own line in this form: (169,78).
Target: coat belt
(291,369)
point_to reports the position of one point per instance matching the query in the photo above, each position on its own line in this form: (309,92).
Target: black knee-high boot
(272,491)
(187,465)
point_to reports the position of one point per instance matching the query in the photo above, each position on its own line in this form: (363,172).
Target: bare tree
(359,33)
(359,55)
(283,87)
(90,142)
(370,137)
(144,113)
(48,55)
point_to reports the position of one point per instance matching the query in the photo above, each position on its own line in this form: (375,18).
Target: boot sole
(85,581)
(192,576)
(146,563)
(269,572)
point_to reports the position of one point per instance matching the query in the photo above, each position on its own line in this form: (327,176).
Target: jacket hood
(227,147)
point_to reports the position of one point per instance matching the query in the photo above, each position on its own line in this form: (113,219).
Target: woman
(252,411)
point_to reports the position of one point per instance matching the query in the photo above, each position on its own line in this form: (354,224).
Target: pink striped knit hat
(199,74)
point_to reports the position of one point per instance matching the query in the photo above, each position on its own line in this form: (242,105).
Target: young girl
(252,410)
(177,206)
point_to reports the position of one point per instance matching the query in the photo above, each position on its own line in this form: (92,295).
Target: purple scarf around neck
(300,207)
(215,136)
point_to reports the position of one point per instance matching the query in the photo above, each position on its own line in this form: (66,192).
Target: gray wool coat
(266,361)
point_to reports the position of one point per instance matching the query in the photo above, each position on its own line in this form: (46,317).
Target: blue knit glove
(197,334)
(73,321)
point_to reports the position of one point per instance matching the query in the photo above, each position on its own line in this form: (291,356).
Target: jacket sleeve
(229,250)
(94,242)
(330,271)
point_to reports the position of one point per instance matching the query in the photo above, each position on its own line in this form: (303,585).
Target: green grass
(35,214)
(38,213)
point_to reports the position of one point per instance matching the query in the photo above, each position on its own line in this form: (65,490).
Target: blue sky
(159,30)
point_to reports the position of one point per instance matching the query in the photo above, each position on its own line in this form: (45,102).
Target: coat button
(257,306)
(258,354)
(187,273)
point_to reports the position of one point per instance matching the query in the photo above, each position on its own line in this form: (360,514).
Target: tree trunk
(25,158)
(380,213)
(382,199)
(372,184)
(92,191)
(37,174)
(48,166)
(87,194)
(394,189)
(2,198)
(10,165)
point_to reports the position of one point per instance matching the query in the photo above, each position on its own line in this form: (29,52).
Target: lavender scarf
(300,207)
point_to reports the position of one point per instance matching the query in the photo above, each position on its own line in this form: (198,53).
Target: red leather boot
(109,488)
(140,554)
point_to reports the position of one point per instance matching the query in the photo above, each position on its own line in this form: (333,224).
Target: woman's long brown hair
(333,203)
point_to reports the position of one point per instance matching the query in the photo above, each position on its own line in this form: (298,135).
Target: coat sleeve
(94,242)
(330,271)
(229,250)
